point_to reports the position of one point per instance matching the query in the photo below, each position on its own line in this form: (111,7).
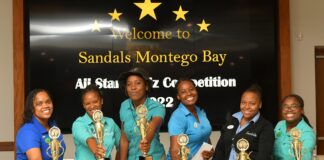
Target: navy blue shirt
(34,135)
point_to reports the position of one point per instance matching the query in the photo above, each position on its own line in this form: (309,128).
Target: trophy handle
(296,143)
(297,149)
(59,155)
(47,152)
(99,128)
(62,151)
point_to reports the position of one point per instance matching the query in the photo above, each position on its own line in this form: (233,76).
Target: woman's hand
(144,146)
(100,152)
(207,154)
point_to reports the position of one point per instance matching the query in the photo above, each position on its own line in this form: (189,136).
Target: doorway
(319,76)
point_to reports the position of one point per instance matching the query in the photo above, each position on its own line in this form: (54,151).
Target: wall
(6,78)
(306,32)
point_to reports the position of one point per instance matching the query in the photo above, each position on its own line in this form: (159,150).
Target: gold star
(115,15)
(147,8)
(203,26)
(180,13)
(95,26)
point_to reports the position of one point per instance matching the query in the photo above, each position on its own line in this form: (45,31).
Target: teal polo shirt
(282,145)
(128,117)
(83,128)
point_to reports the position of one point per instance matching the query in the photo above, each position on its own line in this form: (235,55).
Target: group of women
(264,142)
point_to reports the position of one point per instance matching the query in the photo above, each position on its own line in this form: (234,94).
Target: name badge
(230,126)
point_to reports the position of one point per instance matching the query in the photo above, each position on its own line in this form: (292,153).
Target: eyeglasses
(286,107)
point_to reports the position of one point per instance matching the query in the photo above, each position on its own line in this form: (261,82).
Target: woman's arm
(123,144)
(174,148)
(80,134)
(152,128)
(117,155)
(208,154)
(98,151)
(34,154)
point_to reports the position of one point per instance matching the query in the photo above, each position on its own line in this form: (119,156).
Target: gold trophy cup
(296,144)
(142,123)
(54,145)
(184,152)
(99,127)
(242,145)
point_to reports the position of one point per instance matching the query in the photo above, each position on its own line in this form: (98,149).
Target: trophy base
(145,158)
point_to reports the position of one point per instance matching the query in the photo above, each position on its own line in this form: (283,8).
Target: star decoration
(115,15)
(147,8)
(203,26)
(180,14)
(95,26)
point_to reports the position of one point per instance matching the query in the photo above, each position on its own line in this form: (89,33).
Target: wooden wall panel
(319,67)
(7,146)
(19,62)
(284,48)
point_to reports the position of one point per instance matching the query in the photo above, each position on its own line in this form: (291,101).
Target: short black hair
(301,105)
(29,104)
(255,88)
(92,88)
(183,79)
(297,97)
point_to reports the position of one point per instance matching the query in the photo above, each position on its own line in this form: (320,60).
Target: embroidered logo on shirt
(195,125)
(230,126)
(251,134)
(47,140)
(278,134)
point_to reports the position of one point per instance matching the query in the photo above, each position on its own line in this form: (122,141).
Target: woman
(188,119)
(292,110)
(247,124)
(137,85)
(84,133)
(32,138)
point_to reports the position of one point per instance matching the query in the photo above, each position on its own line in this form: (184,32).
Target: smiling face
(136,89)
(250,104)
(291,110)
(43,106)
(91,102)
(187,93)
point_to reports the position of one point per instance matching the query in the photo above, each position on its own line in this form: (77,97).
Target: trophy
(142,123)
(243,145)
(99,127)
(183,140)
(54,145)
(296,144)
